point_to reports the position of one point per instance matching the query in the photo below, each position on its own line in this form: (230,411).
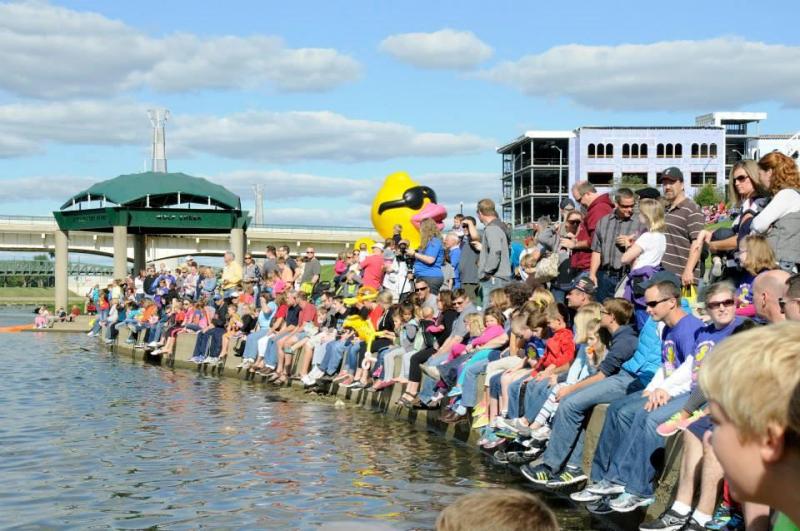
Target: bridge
(38,234)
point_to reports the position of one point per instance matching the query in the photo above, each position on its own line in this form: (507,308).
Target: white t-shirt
(653,245)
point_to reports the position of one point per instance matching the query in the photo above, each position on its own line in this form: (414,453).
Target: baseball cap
(377,245)
(662,276)
(648,193)
(584,284)
(672,174)
(566,204)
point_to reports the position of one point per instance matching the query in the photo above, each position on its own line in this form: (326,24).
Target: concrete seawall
(384,401)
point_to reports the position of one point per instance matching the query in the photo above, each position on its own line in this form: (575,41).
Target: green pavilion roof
(158,190)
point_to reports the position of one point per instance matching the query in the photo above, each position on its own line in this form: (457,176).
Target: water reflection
(91,439)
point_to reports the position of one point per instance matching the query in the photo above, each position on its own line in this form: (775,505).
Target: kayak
(14,329)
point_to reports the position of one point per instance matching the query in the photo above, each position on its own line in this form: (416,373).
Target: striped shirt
(684,222)
(605,236)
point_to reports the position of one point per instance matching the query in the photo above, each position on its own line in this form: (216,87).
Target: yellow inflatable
(367,242)
(402,201)
(362,327)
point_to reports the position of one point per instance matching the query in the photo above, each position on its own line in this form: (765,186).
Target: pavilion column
(120,251)
(139,261)
(61,266)
(238,244)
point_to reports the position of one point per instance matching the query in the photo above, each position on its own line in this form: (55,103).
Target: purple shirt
(678,342)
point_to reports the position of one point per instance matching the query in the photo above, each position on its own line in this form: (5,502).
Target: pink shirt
(372,268)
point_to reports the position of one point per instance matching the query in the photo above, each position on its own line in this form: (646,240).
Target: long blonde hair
(583,317)
(653,212)
(599,351)
(427,231)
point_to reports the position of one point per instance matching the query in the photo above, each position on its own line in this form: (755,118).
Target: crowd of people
(612,303)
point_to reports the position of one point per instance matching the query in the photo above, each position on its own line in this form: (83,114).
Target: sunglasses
(412,198)
(741,178)
(417,290)
(720,304)
(653,304)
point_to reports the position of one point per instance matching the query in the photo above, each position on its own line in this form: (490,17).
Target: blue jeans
(514,392)
(627,440)
(536,394)
(102,315)
(633,463)
(495,385)
(568,430)
(251,345)
(606,284)
(210,342)
(469,377)
(271,354)
(428,384)
(334,352)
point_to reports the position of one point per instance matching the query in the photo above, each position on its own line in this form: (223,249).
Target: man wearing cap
(597,206)
(373,268)
(580,292)
(684,220)
(622,459)
(612,236)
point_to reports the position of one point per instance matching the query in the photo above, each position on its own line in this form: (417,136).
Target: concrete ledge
(384,401)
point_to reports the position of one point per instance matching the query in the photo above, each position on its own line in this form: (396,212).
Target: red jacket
(599,208)
(559,350)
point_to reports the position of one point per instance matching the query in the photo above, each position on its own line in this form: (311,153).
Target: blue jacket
(647,358)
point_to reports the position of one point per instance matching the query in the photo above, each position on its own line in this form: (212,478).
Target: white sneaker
(316,372)
(716,266)
(206,360)
(212,361)
(541,434)
(153,344)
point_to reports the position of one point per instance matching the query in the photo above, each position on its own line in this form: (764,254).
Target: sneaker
(693,525)
(670,427)
(716,266)
(722,516)
(139,346)
(585,496)
(153,344)
(541,434)
(196,359)
(696,415)
(606,488)
(668,521)
(454,392)
(570,476)
(539,474)
(212,361)
(505,424)
(486,434)
(524,457)
(90,334)
(627,502)
(500,457)
(601,506)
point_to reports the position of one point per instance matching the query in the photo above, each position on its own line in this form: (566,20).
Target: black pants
(414,372)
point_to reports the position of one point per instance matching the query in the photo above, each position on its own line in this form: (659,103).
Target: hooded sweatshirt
(599,208)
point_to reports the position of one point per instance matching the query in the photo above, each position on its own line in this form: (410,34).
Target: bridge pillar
(139,259)
(238,245)
(61,269)
(120,251)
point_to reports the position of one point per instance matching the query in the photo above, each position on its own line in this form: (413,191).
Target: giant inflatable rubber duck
(402,201)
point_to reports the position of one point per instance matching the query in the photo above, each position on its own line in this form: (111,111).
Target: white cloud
(26,128)
(668,75)
(446,49)
(54,189)
(292,136)
(54,52)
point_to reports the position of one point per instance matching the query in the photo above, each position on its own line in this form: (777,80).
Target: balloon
(368,242)
(402,201)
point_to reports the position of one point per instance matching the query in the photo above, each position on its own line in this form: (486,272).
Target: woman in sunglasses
(430,256)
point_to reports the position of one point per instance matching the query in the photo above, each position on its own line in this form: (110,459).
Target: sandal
(407,400)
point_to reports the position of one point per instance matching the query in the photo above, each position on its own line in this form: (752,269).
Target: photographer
(398,279)
(468,261)
(430,256)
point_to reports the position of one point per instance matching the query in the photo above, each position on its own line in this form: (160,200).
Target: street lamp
(560,170)
(741,155)
(513,187)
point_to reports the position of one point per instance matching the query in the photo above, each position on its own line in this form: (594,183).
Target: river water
(91,439)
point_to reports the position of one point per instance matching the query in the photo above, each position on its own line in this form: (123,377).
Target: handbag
(690,294)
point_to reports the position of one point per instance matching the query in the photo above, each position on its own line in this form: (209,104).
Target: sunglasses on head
(412,198)
(720,304)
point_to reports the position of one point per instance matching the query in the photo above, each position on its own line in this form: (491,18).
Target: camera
(402,255)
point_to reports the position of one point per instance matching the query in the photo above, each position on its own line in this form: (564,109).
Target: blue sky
(320,102)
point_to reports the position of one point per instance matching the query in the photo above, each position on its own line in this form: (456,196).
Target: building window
(700,178)
(712,151)
(601,151)
(635,151)
(601,178)
(660,151)
(633,179)
(626,151)
(669,151)
(678,151)
(609,151)
(695,151)
(703,151)
(643,151)
(591,151)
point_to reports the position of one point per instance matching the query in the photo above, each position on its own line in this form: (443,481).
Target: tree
(708,195)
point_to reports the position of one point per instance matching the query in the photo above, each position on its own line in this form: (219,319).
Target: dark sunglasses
(653,304)
(741,178)
(412,198)
(719,304)
(417,290)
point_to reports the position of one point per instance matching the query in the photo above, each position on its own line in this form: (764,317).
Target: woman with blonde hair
(755,257)
(780,219)
(429,258)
